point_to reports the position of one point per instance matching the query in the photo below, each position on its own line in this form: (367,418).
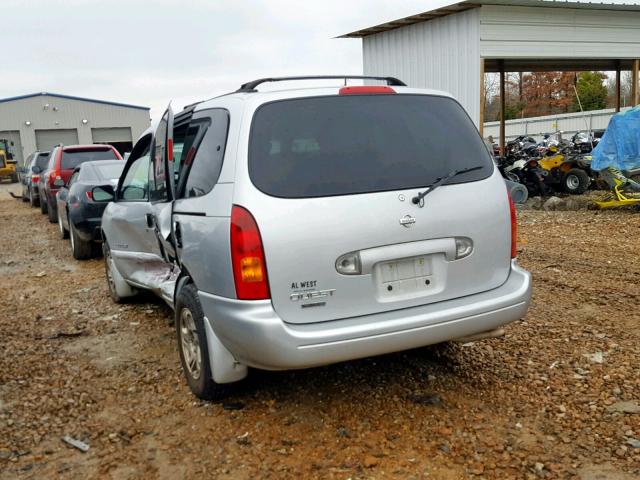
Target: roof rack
(251,86)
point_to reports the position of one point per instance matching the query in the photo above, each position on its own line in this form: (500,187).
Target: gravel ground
(542,402)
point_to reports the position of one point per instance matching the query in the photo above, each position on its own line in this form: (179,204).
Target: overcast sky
(150,52)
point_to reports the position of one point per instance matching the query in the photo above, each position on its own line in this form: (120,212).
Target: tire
(33,201)
(192,345)
(14,178)
(52,214)
(81,250)
(43,205)
(113,277)
(576,181)
(64,233)
(25,196)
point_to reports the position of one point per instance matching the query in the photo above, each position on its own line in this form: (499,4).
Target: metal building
(41,120)
(450,48)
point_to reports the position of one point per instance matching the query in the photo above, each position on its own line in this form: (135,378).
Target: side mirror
(36,169)
(58,182)
(103,193)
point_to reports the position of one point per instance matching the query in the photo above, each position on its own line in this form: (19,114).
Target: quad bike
(563,172)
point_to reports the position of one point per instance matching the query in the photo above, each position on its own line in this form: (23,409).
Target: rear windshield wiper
(419,199)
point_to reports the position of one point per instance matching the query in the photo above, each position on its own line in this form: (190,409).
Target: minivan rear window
(340,145)
(75,157)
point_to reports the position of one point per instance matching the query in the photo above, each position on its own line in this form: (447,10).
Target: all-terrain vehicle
(565,172)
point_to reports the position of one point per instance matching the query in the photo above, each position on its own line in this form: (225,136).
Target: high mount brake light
(247,257)
(514,227)
(366,90)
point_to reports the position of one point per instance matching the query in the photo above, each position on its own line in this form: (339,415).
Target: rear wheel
(51,214)
(80,248)
(64,233)
(43,205)
(576,181)
(32,199)
(14,178)
(192,344)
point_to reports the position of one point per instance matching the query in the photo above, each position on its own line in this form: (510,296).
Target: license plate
(405,278)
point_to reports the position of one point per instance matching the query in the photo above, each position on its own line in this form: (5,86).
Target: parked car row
(285,232)
(60,181)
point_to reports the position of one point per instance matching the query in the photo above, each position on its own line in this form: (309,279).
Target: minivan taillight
(247,257)
(514,227)
(35,178)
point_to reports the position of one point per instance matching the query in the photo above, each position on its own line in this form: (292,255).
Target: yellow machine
(564,173)
(618,198)
(7,163)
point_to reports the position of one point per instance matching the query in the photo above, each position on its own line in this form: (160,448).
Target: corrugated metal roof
(69,97)
(466,5)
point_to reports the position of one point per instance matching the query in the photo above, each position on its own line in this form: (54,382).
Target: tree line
(535,94)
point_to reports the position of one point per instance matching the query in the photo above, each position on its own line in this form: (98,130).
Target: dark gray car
(79,216)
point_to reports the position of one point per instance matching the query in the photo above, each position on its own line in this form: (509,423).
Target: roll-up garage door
(111,135)
(47,139)
(15,146)
(119,137)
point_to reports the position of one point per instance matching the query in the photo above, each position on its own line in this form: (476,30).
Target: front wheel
(119,289)
(192,344)
(576,181)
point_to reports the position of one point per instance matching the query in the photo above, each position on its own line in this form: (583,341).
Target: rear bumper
(256,336)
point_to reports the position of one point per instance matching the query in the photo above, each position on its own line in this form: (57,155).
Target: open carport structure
(452,47)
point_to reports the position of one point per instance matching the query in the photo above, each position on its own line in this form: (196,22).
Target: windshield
(339,145)
(110,171)
(74,158)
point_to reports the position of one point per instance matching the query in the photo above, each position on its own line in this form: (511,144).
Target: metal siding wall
(521,32)
(569,123)
(442,54)
(69,115)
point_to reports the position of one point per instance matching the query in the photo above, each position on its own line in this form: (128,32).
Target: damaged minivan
(292,228)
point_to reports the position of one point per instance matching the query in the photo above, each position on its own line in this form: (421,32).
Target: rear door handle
(150,220)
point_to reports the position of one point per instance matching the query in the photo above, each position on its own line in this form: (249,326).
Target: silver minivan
(301,227)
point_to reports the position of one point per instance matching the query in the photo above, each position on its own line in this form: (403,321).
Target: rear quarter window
(340,145)
(204,153)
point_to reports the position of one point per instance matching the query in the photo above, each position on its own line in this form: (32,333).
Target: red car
(62,162)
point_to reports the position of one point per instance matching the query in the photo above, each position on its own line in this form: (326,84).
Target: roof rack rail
(251,86)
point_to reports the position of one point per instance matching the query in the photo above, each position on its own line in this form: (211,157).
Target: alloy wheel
(190,344)
(572,181)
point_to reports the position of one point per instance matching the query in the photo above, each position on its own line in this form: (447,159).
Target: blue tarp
(619,147)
